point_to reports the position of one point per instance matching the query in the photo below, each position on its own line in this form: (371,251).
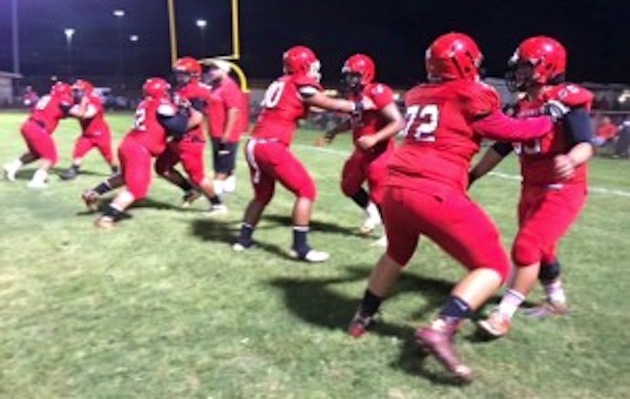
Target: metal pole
(16,40)
(172,30)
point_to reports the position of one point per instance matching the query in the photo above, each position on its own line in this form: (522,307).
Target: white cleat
(369,224)
(381,242)
(9,172)
(229,185)
(238,247)
(217,210)
(312,256)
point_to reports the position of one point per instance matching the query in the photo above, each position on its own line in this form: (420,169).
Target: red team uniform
(267,151)
(48,111)
(548,205)
(370,165)
(189,150)
(95,132)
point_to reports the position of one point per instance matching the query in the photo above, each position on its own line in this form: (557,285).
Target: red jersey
(283,108)
(95,126)
(439,139)
(226,95)
(537,156)
(372,121)
(147,129)
(195,91)
(50,109)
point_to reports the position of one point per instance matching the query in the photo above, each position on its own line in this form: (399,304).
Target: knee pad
(526,249)
(549,272)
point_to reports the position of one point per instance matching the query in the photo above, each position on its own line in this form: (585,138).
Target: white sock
(15,165)
(510,302)
(219,187)
(372,211)
(40,177)
(230,184)
(555,292)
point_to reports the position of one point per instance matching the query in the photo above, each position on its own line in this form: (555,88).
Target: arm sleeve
(577,126)
(199,104)
(502,148)
(499,126)
(175,125)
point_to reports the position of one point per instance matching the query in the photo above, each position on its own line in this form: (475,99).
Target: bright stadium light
(201,24)
(119,13)
(69,32)
(134,38)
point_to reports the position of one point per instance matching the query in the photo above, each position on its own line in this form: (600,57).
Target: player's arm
(498,126)
(312,96)
(195,109)
(230,123)
(491,158)
(395,123)
(174,121)
(579,131)
(83,110)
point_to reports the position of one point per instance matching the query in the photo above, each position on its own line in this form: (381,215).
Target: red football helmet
(156,88)
(83,85)
(61,89)
(301,60)
(537,60)
(453,56)
(186,69)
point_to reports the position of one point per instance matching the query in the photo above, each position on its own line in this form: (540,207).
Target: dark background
(395,33)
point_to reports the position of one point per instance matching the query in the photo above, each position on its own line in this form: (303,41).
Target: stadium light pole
(201,24)
(69,32)
(133,39)
(15,35)
(120,14)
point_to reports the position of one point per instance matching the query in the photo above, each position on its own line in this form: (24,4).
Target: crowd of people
(414,189)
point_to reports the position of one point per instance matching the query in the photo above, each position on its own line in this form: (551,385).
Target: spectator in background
(606,133)
(227,121)
(623,142)
(30,97)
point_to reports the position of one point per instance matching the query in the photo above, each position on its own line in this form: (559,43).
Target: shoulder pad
(166,109)
(381,94)
(481,98)
(306,81)
(572,95)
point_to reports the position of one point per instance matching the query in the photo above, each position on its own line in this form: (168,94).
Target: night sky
(394,32)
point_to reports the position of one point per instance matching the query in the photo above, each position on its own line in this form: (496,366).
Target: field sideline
(162,308)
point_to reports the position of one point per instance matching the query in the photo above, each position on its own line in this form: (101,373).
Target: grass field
(162,308)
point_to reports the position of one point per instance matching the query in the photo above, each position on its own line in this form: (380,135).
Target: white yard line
(592,189)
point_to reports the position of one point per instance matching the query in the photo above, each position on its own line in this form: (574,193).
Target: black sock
(115,170)
(216,200)
(455,309)
(245,237)
(370,303)
(185,185)
(103,188)
(361,198)
(113,213)
(75,168)
(300,239)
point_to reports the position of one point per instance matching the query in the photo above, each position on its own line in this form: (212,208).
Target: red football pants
(189,153)
(135,162)
(362,166)
(39,141)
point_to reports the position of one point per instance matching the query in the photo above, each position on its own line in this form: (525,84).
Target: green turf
(161,308)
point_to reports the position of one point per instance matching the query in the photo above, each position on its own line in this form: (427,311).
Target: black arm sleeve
(502,148)
(198,104)
(577,126)
(65,108)
(176,125)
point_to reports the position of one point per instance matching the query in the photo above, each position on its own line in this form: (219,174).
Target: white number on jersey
(422,122)
(140,119)
(273,94)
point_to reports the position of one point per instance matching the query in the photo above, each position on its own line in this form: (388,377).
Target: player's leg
(465,232)
(376,173)
(217,164)
(555,296)
(352,178)
(136,173)
(44,146)
(228,165)
(403,240)
(191,155)
(292,174)
(81,147)
(104,145)
(30,131)
(550,215)
(165,167)
(264,188)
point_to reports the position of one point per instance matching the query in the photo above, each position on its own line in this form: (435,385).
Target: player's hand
(555,109)
(563,166)
(367,142)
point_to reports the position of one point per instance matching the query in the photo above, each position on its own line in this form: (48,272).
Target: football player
(156,118)
(189,148)
(286,101)
(95,131)
(373,134)
(37,132)
(554,170)
(425,192)
(227,121)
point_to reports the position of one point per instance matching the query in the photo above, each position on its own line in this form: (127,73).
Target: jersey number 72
(422,122)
